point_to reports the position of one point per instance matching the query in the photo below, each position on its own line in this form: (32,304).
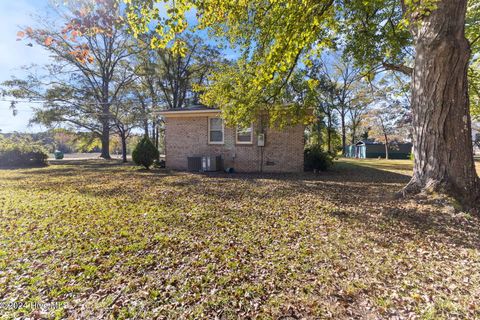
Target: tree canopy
(276,36)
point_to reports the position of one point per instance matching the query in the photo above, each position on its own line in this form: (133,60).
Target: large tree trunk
(123,137)
(105,119)
(441,119)
(105,140)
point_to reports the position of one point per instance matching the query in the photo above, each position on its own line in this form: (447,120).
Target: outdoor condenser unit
(194,163)
(211,163)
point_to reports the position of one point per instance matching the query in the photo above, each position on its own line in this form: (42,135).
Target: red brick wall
(188,136)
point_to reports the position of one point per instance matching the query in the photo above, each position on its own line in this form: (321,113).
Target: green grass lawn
(405,166)
(110,241)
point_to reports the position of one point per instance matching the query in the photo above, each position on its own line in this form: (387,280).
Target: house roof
(192,110)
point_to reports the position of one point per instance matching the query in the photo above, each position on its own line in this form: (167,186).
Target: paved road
(83,156)
(89,156)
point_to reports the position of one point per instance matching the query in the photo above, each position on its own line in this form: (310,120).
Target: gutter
(186,112)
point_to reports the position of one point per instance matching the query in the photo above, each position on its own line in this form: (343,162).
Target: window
(215,130)
(244,135)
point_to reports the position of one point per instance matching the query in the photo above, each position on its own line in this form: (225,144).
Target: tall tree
(177,74)
(126,118)
(356,114)
(325,93)
(169,80)
(383,123)
(345,77)
(441,117)
(89,71)
(146,87)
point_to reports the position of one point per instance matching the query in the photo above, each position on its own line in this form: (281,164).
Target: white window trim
(244,142)
(223,131)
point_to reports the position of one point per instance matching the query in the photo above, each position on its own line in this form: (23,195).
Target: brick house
(199,131)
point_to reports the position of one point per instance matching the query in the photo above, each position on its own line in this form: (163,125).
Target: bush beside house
(145,153)
(316,159)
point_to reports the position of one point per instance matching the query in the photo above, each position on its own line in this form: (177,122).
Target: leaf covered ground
(109,241)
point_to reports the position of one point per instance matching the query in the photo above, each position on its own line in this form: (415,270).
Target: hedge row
(21,153)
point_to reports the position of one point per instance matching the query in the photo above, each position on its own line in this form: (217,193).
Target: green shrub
(145,153)
(317,159)
(21,153)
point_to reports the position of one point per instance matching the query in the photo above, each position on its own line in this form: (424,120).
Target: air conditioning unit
(211,163)
(194,163)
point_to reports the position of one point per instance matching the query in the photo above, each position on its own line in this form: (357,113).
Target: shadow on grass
(361,195)
(341,172)
(103,178)
(35,166)
(75,167)
(418,224)
(364,196)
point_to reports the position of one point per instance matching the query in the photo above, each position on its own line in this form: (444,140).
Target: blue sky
(15,54)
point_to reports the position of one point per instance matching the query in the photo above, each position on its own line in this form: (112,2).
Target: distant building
(371,149)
